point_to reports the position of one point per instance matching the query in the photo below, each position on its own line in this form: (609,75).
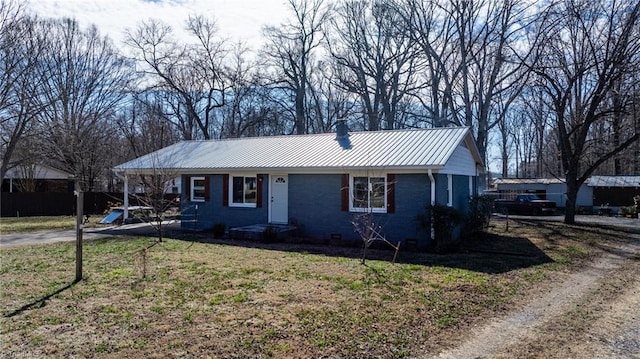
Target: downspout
(432,181)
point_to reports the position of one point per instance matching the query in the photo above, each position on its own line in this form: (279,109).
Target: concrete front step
(263,232)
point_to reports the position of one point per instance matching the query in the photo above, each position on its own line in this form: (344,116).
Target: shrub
(479,216)
(630,211)
(270,234)
(218,230)
(445,220)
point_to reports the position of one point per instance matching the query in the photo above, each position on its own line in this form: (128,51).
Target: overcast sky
(237,19)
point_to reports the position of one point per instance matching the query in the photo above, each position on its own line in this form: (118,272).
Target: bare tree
(590,50)
(158,203)
(144,125)
(156,198)
(328,103)
(191,75)
(21,46)
(373,58)
(86,81)
(433,30)
(249,110)
(290,51)
(475,52)
(608,134)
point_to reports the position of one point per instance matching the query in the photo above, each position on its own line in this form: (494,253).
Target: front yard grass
(31,224)
(244,299)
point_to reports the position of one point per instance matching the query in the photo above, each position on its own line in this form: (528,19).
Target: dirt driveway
(594,313)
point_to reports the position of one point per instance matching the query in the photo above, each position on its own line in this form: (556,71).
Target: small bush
(627,211)
(218,230)
(270,234)
(479,216)
(445,219)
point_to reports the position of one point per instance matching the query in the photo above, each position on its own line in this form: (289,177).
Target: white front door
(279,204)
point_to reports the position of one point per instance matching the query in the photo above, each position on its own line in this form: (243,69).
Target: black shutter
(391,193)
(344,193)
(207,190)
(187,188)
(260,180)
(225,190)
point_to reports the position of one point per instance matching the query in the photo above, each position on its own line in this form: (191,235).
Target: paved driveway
(42,237)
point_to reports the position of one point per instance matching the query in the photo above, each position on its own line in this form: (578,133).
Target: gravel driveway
(526,331)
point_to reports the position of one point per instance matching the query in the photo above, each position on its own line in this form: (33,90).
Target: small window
(197,189)
(368,194)
(244,191)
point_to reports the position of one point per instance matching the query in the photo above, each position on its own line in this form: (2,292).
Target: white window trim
(368,209)
(243,175)
(192,198)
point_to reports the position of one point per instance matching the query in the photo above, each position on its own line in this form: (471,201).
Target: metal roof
(593,181)
(614,181)
(544,181)
(418,149)
(37,171)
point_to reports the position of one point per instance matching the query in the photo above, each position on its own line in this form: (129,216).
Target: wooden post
(79,225)
(507,221)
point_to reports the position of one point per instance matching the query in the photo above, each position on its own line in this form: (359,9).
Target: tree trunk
(572,195)
(300,122)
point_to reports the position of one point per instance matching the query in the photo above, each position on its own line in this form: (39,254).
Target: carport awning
(614,181)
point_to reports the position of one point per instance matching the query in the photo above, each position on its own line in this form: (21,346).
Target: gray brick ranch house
(319,182)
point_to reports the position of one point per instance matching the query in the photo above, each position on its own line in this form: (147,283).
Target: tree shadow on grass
(486,253)
(40,302)
(619,241)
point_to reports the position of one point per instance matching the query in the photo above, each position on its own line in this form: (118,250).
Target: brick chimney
(342,131)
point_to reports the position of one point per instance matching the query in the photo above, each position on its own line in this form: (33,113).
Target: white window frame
(368,209)
(244,176)
(192,189)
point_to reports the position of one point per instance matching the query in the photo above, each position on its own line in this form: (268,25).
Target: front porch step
(270,232)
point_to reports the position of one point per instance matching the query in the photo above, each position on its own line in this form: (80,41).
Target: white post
(450,190)
(10,184)
(432,182)
(126,197)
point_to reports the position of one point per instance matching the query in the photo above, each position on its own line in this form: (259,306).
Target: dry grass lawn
(243,299)
(27,224)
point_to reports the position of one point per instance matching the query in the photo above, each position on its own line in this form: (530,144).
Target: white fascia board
(306,170)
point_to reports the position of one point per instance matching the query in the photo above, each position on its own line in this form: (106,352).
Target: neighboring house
(614,191)
(552,189)
(173,186)
(320,182)
(37,178)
